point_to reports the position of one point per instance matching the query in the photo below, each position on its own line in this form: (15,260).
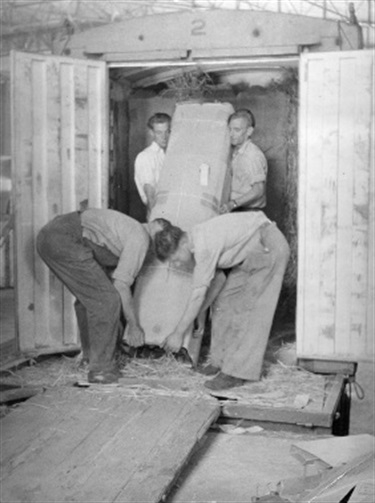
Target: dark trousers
(81,266)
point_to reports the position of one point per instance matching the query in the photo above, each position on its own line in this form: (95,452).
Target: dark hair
(159,118)
(163,222)
(243,113)
(167,241)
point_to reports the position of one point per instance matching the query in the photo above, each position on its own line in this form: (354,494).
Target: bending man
(79,247)
(257,253)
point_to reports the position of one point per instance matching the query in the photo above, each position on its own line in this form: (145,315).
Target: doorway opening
(268,87)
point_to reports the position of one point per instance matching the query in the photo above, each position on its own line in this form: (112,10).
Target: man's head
(157,225)
(172,244)
(241,126)
(160,127)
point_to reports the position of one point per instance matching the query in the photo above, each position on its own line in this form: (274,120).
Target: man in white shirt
(149,162)
(256,252)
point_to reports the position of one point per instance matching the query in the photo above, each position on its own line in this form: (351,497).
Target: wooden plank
(370,318)
(40,190)
(68,192)
(324,197)
(96,108)
(360,338)
(18,394)
(344,203)
(22,134)
(81,140)
(100,444)
(309,416)
(67,151)
(336,387)
(309,224)
(328,366)
(277,415)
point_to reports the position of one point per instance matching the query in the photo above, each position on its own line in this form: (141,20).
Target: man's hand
(173,343)
(227,208)
(135,336)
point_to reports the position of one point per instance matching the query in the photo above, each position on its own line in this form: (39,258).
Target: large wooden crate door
(336,207)
(59,134)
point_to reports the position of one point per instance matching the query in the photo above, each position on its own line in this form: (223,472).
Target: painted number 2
(198,27)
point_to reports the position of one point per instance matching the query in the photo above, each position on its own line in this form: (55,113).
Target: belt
(241,209)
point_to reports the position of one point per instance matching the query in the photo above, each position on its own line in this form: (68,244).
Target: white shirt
(223,241)
(249,166)
(148,165)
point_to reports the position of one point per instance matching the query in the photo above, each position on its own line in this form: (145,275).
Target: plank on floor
(100,444)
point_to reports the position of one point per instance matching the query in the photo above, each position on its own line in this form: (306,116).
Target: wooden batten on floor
(315,415)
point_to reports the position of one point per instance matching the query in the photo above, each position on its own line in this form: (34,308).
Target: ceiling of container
(154,73)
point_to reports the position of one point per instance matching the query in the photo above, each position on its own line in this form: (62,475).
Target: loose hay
(282,386)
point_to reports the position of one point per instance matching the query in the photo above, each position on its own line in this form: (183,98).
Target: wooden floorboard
(100,444)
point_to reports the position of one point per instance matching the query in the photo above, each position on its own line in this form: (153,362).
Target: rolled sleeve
(131,259)
(143,174)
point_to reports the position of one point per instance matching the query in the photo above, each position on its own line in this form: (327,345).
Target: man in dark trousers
(79,247)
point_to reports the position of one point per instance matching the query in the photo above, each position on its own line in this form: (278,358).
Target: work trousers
(81,266)
(243,312)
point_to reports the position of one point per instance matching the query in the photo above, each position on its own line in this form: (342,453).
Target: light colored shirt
(122,235)
(223,242)
(147,168)
(249,166)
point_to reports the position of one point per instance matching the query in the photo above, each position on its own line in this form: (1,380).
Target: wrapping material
(194,182)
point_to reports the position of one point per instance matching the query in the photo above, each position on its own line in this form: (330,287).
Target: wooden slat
(344,203)
(68,192)
(277,415)
(94,139)
(309,217)
(40,190)
(360,332)
(309,416)
(328,366)
(81,140)
(67,152)
(100,444)
(326,211)
(370,319)
(23,202)
(335,389)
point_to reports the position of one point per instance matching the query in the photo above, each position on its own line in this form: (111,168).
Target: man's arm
(150,192)
(136,336)
(173,342)
(252,196)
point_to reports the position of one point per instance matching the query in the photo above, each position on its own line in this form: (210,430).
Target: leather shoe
(102,377)
(208,370)
(224,381)
(183,356)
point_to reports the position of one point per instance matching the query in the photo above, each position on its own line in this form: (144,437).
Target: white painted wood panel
(335,208)
(60,130)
